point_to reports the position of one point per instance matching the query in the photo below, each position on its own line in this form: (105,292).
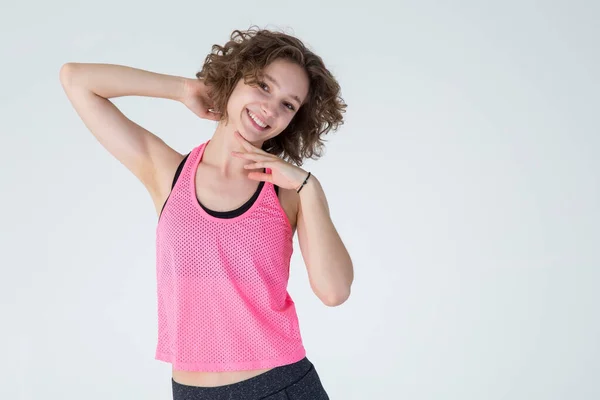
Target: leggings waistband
(263,385)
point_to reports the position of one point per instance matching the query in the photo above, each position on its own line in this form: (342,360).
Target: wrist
(304,182)
(183,89)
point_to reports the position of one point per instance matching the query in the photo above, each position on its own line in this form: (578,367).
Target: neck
(218,152)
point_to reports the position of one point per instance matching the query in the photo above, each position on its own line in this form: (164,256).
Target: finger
(251,156)
(212,116)
(257,165)
(261,176)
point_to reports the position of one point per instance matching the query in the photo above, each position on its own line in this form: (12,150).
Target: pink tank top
(223,303)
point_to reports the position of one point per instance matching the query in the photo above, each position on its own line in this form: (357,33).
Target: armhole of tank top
(175,178)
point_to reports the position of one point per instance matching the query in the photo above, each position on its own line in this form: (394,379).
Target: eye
(263,86)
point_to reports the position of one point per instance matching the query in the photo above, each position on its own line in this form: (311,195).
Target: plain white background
(465,184)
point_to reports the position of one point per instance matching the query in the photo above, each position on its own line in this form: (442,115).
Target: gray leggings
(297,381)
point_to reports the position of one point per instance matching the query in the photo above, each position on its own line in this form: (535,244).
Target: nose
(269,110)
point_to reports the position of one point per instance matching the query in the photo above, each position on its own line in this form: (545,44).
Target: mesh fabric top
(222,293)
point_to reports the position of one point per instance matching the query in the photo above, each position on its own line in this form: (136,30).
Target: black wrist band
(303,183)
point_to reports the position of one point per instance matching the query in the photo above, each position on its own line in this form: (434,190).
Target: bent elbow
(335,299)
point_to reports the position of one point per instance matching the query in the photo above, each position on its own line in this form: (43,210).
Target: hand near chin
(283,174)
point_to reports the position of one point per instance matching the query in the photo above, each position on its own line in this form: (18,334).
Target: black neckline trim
(238,211)
(220,214)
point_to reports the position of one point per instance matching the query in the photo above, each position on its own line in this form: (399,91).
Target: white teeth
(255,118)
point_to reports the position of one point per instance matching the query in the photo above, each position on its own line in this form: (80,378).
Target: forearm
(111,80)
(327,259)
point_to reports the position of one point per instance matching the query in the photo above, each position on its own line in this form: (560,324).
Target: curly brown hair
(245,56)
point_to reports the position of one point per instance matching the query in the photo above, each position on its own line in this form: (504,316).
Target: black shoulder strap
(179,168)
(177,173)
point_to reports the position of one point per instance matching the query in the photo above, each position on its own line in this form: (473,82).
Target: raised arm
(89,88)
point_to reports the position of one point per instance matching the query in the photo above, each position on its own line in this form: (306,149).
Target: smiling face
(261,112)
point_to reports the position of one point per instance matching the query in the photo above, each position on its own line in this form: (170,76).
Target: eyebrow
(269,77)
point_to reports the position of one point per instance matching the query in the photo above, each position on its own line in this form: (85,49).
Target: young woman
(228,209)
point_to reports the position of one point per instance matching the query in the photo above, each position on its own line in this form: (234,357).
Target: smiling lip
(258,127)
